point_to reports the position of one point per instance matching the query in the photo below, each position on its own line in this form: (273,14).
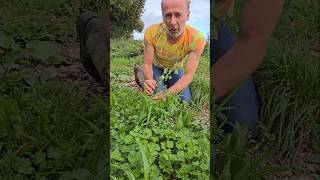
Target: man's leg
(93,46)
(244,103)
(157,73)
(161,86)
(186,94)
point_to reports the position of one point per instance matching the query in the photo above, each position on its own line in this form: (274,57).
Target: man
(232,63)
(170,45)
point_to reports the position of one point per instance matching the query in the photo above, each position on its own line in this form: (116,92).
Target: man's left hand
(158,96)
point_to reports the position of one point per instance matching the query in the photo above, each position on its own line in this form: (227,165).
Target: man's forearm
(181,84)
(257,20)
(147,71)
(236,65)
(187,78)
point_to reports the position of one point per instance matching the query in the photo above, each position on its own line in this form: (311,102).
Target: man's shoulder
(154,27)
(195,33)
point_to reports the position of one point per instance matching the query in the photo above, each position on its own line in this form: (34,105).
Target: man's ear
(188,15)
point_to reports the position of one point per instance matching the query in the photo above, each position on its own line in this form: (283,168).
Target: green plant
(155,140)
(48,129)
(167,138)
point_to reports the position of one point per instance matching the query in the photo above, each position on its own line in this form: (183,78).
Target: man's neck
(173,40)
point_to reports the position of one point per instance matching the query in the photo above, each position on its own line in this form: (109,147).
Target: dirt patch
(75,74)
(301,169)
(132,83)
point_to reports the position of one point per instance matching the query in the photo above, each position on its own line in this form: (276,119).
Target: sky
(199,15)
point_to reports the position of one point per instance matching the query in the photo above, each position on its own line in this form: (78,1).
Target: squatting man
(171,44)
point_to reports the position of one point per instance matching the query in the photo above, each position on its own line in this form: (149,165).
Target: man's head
(175,14)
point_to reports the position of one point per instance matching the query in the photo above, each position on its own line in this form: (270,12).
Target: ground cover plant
(287,84)
(156,140)
(52,120)
(287,141)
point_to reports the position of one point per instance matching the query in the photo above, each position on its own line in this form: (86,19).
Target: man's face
(175,14)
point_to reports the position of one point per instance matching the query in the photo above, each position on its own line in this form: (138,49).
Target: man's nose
(173,20)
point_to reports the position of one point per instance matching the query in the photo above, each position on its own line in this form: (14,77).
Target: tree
(125,17)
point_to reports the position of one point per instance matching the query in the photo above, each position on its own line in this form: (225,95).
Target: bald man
(171,44)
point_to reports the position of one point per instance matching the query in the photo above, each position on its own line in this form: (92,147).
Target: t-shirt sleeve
(198,42)
(147,36)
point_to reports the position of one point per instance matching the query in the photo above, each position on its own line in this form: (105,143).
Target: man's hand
(149,86)
(191,68)
(158,96)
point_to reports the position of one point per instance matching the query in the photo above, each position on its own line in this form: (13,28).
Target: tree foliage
(125,17)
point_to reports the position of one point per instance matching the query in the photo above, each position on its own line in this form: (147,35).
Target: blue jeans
(162,85)
(244,103)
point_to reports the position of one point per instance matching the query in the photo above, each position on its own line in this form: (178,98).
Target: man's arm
(191,67)
(149,83)
(256,23)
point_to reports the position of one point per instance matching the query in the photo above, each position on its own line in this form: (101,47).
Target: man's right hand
(149,86)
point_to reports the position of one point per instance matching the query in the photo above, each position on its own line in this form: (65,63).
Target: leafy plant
(153,140)
(48,129)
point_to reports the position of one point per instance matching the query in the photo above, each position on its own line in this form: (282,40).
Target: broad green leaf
(6,42)
(46,51)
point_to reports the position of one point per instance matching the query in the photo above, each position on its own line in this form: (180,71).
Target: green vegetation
(125,17)
(49,129)
(289,81)
(287,140)
(288,86)
(161,140)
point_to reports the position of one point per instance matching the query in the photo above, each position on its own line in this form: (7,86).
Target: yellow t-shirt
(168,55)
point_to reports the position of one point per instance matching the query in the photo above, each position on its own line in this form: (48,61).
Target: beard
(174,33)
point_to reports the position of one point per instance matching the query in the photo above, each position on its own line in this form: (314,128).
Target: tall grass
(289,81)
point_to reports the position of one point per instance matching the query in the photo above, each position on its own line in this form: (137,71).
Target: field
(156,139)
(287,142)
(52,115)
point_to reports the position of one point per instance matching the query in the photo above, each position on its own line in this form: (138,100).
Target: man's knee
(220,46)
(93,47)
(186,95)
(244,105)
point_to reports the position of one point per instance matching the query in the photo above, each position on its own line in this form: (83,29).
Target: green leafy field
(157,140)
(287,142)
(52,118)
(49,128)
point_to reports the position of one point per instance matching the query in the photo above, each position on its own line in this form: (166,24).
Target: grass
(156,139)
(288,87)
(49,129)
(289,80)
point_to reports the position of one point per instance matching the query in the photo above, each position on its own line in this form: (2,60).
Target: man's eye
(177,15)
